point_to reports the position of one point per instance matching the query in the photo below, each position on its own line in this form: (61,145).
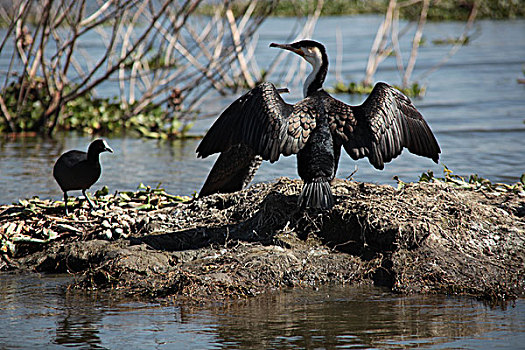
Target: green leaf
(427,177)
(104,191)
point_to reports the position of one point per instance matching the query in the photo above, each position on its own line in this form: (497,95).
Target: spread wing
(263,121)
(381,127)
(232,171)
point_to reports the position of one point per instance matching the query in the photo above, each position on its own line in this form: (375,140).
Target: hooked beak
(289,48)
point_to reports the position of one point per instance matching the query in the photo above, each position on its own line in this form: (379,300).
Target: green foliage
(148,198)
(103,116)
(238,8)
(438,11)
(155,60)
(31,109)
(474,182)
(330,8)
(353,88)
(452,41)
(490,9)
(87,114)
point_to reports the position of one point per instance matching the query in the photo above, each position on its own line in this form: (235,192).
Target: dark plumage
(315,129)
(77,170)
(232,171)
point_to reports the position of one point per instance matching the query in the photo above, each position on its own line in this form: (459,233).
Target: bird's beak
(106,147)
(289,48)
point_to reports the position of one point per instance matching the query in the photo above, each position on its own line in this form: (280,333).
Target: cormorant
(261,125)
(78,170)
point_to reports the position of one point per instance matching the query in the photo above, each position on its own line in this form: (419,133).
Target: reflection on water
(346,317)
(360,317)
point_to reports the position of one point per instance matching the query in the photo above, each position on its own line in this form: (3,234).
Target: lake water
(473,104)
(38,312)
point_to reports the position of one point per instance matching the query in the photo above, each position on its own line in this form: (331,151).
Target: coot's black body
(77,170)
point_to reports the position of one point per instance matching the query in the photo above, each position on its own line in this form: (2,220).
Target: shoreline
(428,238)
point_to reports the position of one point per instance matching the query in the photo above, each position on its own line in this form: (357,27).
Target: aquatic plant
(92,115)
(474,182)
(21,223)
(359,88)
(452,41)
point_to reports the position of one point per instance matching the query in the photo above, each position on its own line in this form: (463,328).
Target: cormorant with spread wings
(260,125)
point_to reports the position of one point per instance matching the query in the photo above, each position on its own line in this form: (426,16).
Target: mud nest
(418,238)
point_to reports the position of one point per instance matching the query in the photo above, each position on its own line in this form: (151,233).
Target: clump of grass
(452,41)
(358,88)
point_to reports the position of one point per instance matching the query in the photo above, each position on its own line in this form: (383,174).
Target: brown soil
(423,238)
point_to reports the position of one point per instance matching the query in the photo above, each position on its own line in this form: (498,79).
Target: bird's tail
(316,194)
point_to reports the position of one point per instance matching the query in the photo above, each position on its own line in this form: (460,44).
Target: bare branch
(459,43)
(146,48)
(238,49)
(6,115)
(91,19)
(375,53)
(415,42)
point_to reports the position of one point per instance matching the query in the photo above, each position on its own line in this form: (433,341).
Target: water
(38,312)
(477,111)
(473,104)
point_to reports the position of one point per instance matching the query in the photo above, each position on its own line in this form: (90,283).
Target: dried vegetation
(440,236)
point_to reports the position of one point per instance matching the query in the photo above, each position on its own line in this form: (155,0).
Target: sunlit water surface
(39,312)
(473,104)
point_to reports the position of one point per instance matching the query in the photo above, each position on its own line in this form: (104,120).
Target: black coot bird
(77,170)
(261,125)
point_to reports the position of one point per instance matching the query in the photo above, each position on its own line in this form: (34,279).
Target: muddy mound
(424,238)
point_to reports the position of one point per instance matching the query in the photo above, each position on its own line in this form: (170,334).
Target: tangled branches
(148,51)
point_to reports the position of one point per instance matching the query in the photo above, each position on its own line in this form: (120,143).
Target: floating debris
(358,88)
(38,221)
(474,182)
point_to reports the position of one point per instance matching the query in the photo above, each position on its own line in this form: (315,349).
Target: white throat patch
(315,58)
